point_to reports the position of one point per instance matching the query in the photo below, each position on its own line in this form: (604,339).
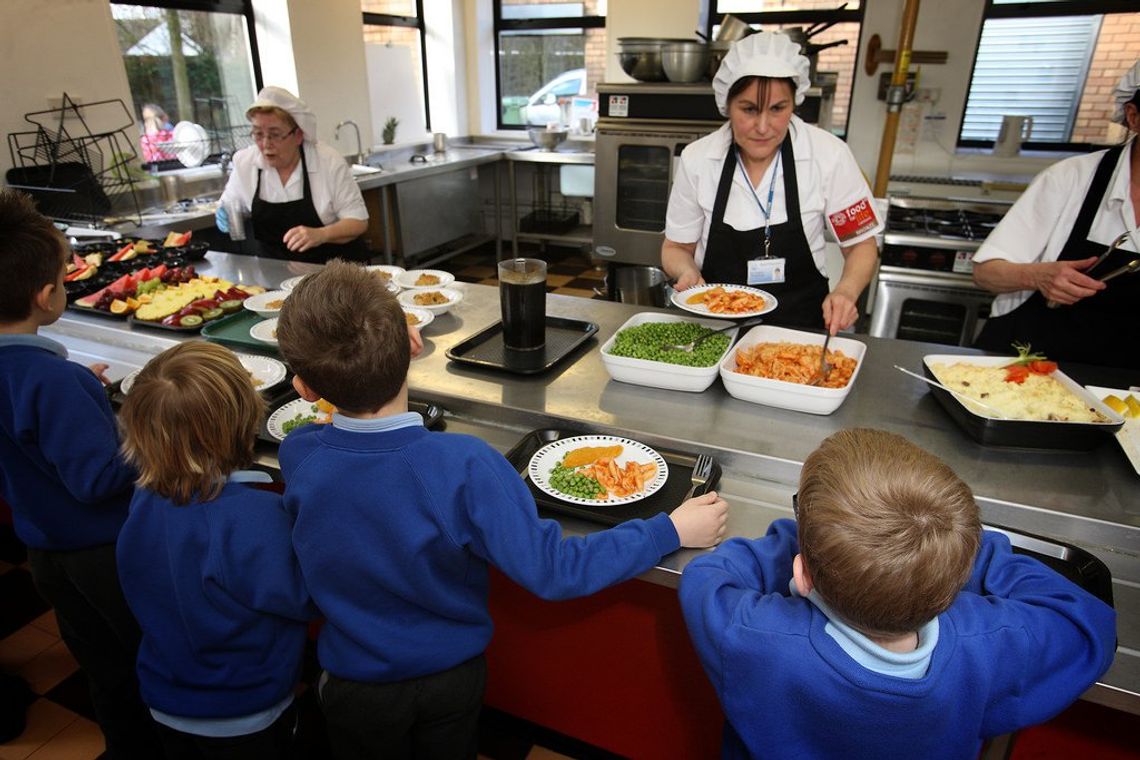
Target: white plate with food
(291,283)
(389,274)
(424,278)
(613,469)
(264,373)
(265,331)
(296,413)
(725,301)
(420,318)
(435,300)
(267,304)
(1127,404)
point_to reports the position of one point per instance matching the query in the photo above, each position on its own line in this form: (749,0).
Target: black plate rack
(78,161)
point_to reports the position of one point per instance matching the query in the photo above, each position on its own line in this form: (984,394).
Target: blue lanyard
(767,212)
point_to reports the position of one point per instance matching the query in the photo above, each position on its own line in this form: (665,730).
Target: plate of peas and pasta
(598,470)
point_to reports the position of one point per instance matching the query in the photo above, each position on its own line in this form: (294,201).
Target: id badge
(766,271)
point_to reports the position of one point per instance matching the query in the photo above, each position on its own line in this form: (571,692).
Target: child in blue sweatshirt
(207,562)
(397,526)
(61,473)
(885,622)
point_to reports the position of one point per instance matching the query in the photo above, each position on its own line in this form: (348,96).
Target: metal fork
(824,365)
(702,469)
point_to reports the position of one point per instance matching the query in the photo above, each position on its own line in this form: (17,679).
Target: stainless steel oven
(924,288)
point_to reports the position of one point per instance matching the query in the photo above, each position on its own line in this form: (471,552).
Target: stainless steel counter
(1086,498)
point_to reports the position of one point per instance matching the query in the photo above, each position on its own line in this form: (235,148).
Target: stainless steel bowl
(717,51)
(547,139)
(685,61)
(643,65)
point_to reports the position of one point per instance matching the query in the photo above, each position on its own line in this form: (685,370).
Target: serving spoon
(958,394)
(688,347)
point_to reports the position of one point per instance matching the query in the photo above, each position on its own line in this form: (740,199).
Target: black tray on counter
(485,348)
(668,498)
(432,414)
(1073,562)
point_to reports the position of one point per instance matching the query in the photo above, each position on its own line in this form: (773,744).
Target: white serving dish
(265,331)
(407,298)
(259,304)
(779,393)
(407,280)
(1129,435)
(270,372)
(674,377)
(424,316)
(292,282)
(393,273)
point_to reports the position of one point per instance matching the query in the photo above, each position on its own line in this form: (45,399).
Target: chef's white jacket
(335,193)
(829,179)
(1037,227)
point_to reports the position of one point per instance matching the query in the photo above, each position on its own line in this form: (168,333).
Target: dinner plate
(270,372)
(423,315)
(276,422)
(408,279)
(407,298)
(393,272)
(681,298)
(548,456)
(1128,436)
(191,143)
(265,331)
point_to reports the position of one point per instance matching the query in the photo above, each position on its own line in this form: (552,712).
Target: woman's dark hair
(764,87)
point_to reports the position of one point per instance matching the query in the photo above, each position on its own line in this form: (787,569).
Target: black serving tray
(485,348)
(1076,564)
(432,414)
(668,498)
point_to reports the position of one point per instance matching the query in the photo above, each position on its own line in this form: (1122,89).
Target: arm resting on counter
(1060,281)
(859,263)
(679,262)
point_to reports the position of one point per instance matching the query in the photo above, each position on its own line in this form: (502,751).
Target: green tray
(233,331)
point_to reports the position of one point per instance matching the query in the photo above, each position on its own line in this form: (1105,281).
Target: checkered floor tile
(568,272)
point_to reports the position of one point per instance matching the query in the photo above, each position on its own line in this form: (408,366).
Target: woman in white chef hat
(300,193)
(1043,259)
(750,202)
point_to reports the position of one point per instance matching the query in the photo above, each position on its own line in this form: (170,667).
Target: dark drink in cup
(522,297)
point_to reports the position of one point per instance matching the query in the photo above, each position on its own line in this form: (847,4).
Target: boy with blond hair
(885,622)
(397,527)
(61,473)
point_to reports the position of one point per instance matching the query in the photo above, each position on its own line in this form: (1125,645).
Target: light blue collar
(870,655)
(378,424)
(33,341)
(249,476)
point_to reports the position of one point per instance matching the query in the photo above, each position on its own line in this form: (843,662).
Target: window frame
(501,24)
(408,22)
(1018,10)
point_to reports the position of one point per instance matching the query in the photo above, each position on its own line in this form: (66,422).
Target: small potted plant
(389,133)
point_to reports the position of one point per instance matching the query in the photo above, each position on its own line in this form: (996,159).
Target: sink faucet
(336,136)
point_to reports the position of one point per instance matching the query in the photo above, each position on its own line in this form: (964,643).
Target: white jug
(1014,131)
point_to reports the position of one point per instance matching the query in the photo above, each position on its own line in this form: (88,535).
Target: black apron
(728,251)
(272,220)
(1089,330)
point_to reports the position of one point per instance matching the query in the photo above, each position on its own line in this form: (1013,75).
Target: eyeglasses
(270,137)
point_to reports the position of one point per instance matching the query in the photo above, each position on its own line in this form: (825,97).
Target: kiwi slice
(229,307)
(190,320)
(212,314)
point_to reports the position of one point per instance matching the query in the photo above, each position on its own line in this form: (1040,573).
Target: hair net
(1125,91)
(279,97)
(766,54)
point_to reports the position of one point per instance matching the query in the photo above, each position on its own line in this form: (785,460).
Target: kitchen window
(394,34)
(837,25)
(190,60)
(550,55)
(1055,60)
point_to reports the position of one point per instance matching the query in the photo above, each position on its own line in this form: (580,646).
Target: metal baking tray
(1027,434)
(665,500)
(432,414)
(485,348)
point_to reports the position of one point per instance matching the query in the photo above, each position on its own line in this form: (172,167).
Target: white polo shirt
(1037,227)
(829,179)
(335,193)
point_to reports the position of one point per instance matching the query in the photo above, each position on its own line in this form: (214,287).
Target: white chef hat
(279,97)
(766,54)
(1125,91)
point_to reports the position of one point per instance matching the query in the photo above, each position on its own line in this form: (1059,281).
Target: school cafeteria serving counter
(1090,499)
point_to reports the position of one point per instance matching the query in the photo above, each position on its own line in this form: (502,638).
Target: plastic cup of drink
(236,217)
(522,299)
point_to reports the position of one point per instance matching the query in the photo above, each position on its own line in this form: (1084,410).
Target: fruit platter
(94,266)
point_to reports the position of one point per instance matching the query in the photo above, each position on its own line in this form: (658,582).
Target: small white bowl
(292,282)
(393,273)
(407,298)
(265,331)
(260,304)
(779,393)
(424,316)
(407,280)
(676,377)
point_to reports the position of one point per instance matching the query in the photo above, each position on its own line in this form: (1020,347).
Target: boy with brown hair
(891,625)
(61,473)
(397,526)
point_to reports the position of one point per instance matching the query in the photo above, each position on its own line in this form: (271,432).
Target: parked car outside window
(567,90)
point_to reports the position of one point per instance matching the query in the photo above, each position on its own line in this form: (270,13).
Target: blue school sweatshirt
(60,468)
(220,599)
(1017,646)
(395,531)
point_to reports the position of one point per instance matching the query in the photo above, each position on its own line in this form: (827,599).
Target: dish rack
(78,161)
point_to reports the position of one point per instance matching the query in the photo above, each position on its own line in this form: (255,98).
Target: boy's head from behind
(887,531)
(32,255)
(190,420)
(346,337)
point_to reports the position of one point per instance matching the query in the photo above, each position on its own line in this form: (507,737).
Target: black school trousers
(274,742)
(433,717)
(102,635)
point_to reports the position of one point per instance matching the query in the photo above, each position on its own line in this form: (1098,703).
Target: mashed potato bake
(1039,397)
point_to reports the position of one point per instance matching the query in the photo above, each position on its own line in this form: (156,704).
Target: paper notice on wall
(910,127)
